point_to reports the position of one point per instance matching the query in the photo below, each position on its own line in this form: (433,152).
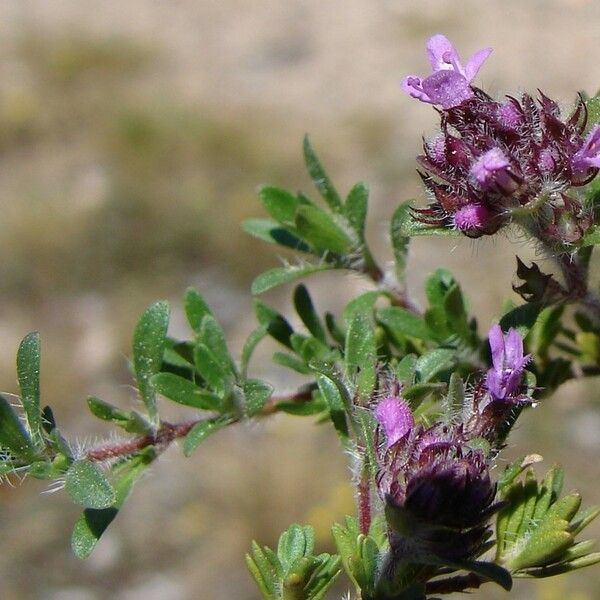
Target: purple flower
(501,155)
(395,418)
(504,379)
(588,156)
(449,84)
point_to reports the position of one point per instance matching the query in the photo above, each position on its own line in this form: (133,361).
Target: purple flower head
(501,155)
(450,83)
(395,418)
(588,156)
(438,493)
(504,379)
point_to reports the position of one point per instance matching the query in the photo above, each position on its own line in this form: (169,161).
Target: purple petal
(589,154)
(413,86)
(441,53)
(493,382)
(513,349)
(395,418)
(474,63)
(496,339)
(447,88)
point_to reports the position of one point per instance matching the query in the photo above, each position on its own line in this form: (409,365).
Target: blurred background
(133,137)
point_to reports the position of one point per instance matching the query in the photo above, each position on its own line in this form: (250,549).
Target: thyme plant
(421,398)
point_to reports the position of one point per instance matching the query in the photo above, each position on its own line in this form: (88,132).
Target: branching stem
(167,432)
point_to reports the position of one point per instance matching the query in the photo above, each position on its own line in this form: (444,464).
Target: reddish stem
(167,433)
(364,503)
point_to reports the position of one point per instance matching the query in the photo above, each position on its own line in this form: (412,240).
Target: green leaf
(195,308)
(521,318)
(297,542)
(28,373)
(277,326)
(94,522)
(356,208)
(320,177)
(303,409)
(310,349)
(202,430)
(13,436)
(87,486)
(291,362)
(433,362)
(320,230)
(419,391)
(455,399)
(400,321)
(361,353)
(407,368)
(280,204)
(410,227)
(250,345)
(263,572)
(365,303)
(273,233)
(591,237)
(217,375)
(132,421)
(593,111)
(337,409)
(306,312)
(185,392)
(400,241)
(542,548)
(149,341)
(256,393)
(360,556)
(211,334)
(335,330)
(280,275)
(456,314)
(437,286)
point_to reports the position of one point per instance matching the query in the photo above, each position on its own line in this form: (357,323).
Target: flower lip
(449,84)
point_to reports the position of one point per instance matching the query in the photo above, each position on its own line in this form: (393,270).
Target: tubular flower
(495,159)
(504,379)
(499,396)
(438,492)
(449,84)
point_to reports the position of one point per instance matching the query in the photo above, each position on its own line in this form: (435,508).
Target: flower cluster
(494,160)
(435,481)
(438,491)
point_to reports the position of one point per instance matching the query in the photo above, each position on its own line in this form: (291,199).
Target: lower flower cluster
(435,480)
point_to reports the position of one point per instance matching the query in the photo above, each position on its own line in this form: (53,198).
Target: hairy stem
(167,432)
(364,501)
